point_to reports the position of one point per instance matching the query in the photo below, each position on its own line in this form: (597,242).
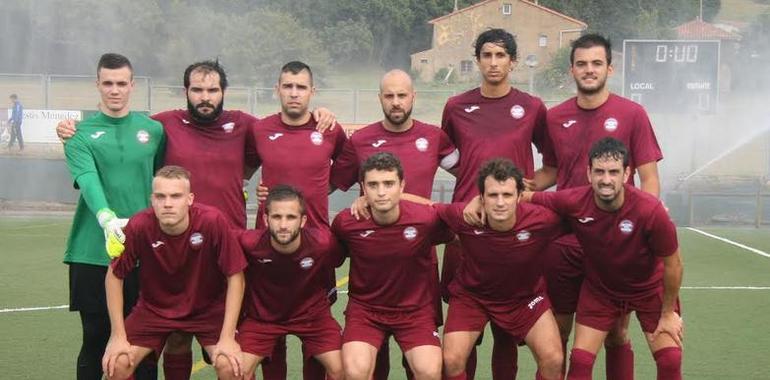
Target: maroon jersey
(184,275)
(503,266)
(288,287)
(484,128)
(215,154)
(622,249)
(390,266)
(301,157)
(572,131)
(421,149)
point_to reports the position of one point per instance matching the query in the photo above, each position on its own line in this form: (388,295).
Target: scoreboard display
(668,76)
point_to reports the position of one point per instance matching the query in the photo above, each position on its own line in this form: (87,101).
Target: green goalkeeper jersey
(112,161)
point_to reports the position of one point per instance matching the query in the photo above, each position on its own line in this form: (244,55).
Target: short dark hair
(497,37)
(13,96)
(501,169)
(384,161)
(113,61)
(588,41)
(206,67)
(608,148)
(295,67)
(284,193)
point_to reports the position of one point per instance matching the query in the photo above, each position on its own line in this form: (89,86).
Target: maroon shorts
(468,313)
(144,328)
(600,311)
(564,274)
(319,334)
(411,329)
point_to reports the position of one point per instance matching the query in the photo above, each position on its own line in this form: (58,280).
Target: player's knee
(454,361)
(618,336)
(224,369)
(356,368)
(550,362)
(178,343)
(123,369)
(427,370)
(668,360)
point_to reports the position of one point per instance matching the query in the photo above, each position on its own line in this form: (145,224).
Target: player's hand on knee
(325,119)
(230,350)
(473,213)
(360,209)
(672,324)
(262,191)
(65,129)
(115,348)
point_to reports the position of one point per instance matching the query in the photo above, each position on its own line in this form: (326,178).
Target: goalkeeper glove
(114,238)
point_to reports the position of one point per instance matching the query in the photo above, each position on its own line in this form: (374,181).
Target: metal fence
(76,92)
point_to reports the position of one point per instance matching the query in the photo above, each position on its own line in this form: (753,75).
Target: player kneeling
(287,285)
(500,278)
(191,275)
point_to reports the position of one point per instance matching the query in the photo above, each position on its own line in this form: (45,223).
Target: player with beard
(217,146)
(286,292)
(493,120)
(573,126)
(422,149)
(630,258)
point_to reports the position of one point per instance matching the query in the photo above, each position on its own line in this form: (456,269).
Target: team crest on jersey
(517,111)
(196,239)
(142,136)
(611,124)
(523,235)
(626,226)
(410,233)
(306,263)
(317,138)
(228,127)
(421,144)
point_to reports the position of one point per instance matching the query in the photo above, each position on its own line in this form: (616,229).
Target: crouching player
(287,282)
(501,277)
(191,275)
(392,274)
(632,262)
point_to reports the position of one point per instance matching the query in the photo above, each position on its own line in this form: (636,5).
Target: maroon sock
(177,366)
(470,365)
(461,376)
(669,363)
(275,368)
(581,365)
(312,369)
(504,355)
(382,362)
(620,362)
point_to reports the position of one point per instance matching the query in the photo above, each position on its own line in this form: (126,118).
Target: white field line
(728,241)
(20,309)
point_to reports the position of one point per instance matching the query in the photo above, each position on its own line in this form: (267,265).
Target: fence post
(355,106)
(46,79)
(690,207)
(149,95)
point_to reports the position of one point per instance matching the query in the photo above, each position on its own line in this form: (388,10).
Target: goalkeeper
(111,159)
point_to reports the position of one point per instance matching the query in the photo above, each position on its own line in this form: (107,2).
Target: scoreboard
(668,76)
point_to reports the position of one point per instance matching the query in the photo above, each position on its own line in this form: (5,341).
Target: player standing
(111,159)
(191,275)
(287,285)
(573,126)
(493,120)
(501,275)
(631,261)
(391,283)
(421,148)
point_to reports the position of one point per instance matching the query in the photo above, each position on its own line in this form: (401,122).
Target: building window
(424,60)
(507,9)
(466,67)
(542,41)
